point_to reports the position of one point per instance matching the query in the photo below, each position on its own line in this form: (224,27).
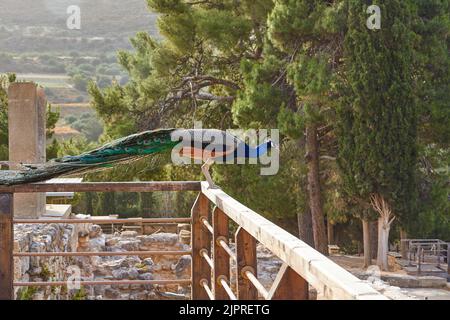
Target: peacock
(207,145)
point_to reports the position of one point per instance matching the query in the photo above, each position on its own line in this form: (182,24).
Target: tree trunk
(403,244)
(383,243)
(315,201)
(385,220)
(366,242)
(330,232)
(373,239)
(305,227)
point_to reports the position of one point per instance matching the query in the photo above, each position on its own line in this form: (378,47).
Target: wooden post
(221,258)
(330,232)
(448,258)
(366,243)
(246,257)
(403,244)
(6,246)
(200,239)
(289,285)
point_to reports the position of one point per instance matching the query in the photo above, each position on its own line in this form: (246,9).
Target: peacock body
(206,144)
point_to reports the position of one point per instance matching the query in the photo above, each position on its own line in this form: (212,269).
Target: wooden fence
(210,279)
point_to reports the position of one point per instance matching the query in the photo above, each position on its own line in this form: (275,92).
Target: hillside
(36,44)
(40,25)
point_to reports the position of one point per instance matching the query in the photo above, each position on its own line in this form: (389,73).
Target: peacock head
(271,145)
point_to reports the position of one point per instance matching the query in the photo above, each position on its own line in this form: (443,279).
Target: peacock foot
(213,186)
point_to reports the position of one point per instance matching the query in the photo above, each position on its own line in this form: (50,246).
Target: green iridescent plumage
(125,149)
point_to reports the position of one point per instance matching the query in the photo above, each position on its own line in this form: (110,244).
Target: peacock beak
(274,146)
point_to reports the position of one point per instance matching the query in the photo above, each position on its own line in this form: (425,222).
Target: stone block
(26,121)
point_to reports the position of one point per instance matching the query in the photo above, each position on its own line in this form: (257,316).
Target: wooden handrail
(103,187)
(333,281)
(302,265)
(104,221)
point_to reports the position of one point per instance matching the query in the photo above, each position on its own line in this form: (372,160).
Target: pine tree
(309,32)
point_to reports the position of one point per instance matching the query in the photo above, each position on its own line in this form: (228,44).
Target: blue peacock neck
(260,150)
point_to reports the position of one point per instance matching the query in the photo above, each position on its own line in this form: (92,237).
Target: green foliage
(432,26)
(282,64)
(80,82)
(4,83)
(87,124)
(378,151)
(433,220)
(52,150)
(27,293)
(52,119)
(80,294)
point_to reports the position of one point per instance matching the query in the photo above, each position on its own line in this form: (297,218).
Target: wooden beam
(220,256)
(448,258)
(6,246)
(105,221)
(246,258)
(288,285)
(333,281)
(200,239)
(104,187)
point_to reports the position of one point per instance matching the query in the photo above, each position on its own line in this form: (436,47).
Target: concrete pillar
(27,122)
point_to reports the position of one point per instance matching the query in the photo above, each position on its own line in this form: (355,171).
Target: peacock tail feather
(126,149)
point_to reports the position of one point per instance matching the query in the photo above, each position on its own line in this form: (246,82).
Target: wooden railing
(302,265)
(211,253)
(7,221)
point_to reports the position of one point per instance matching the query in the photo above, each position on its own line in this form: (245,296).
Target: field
(50,81)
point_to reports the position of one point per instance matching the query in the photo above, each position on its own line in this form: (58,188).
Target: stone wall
(141,267)
(42,238)
(88,237)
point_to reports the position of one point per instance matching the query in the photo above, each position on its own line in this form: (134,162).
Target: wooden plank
(448,258)
(246,258)
(6,246)
(105,221)
(221,258)
(322,273)
(104,187)
(288,285)
(200,239)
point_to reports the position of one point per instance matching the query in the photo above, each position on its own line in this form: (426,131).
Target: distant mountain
(40,25)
